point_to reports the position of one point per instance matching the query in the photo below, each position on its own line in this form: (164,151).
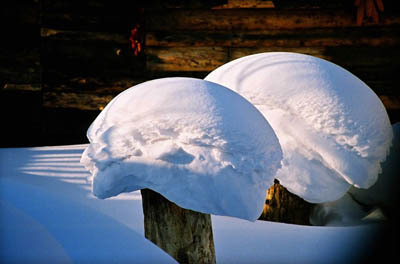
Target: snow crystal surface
(197,143)
(333,129)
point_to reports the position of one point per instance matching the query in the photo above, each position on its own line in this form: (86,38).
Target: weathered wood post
(184,234)
(286,207)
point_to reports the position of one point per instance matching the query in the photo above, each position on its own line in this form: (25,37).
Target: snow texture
(48,215)
(333,129)
(199,144)
(360,206)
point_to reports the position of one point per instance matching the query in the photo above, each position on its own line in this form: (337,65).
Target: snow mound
(333,129)
(199,144)
(360,206)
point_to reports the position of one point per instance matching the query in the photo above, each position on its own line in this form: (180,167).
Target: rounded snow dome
(333,129)
(199,144)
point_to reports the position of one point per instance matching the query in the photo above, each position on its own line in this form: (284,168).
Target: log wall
(70,58)
(194,40)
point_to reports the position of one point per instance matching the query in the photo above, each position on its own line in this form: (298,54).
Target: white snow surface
(359,206)
(199,144)
(333,129)
(49,215)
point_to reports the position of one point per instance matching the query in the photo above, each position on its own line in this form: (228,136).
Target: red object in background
(369,8)
(136,39)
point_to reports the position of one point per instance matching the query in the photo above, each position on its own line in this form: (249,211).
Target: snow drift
(49,215)
(333,129)
(197,143)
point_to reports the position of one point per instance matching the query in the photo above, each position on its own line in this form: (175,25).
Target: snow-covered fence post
(333,129)
(196,143)
(184,234)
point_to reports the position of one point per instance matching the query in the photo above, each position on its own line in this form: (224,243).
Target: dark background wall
(62,61)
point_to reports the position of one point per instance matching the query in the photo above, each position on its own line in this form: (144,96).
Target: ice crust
(333,129)
(197,143)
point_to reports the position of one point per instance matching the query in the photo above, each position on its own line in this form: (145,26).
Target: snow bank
(48,215)
(197,143)
(334,131)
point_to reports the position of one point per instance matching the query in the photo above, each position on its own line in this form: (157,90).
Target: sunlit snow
(197,143)
(333,129)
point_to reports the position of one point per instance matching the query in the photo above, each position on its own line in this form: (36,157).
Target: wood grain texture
(184,234)
(253,19)
(285,207)
(185,58)
(75,100)
(366,36)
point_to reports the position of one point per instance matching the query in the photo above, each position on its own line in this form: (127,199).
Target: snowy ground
(48,215)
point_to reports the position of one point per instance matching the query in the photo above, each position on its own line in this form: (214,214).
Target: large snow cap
(199,144)
(333,129)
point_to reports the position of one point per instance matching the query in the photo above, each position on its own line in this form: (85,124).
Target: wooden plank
(92,15)
(391,102)
(75,100)
(193,4)
(186,58)
(246,4)
(188,39)
(22,87)
(241,52)
(20,65)
(347,57)
(305,4)
(66,59)
(58,34)
(92,85)
(253,19)
(359,36)
(383,87)
(363,56)
(376,73)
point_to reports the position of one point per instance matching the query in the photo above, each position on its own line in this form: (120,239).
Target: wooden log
(347,57)
(241,52)
(363,56)
(90,58)
(185,59)
(296,4)
(95,101)
(391,102)
(383,73)
(20,74)
(246,4)
(89,84)
(75,100)
(285,207)
(184,234)
(253,19)
(361,36)
(193,4)
(108,16)
(22,87)
(20,54)
(74,35)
